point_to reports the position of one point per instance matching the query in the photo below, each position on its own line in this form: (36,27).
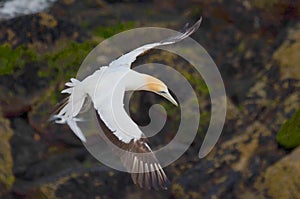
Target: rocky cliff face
(254,44)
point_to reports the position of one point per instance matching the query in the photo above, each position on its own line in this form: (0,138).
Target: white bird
(105,88)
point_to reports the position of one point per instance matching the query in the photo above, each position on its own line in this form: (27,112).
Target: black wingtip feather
(134,156)
(188,31)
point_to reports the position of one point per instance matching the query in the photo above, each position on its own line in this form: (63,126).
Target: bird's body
(106,88)
(109,104)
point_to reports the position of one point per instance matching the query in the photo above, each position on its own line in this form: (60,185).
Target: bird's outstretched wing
(137,157)
(128,142)
(127,59)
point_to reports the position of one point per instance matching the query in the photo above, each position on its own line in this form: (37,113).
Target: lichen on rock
(47,20)
(282,180)
(289,134)
(6,162)
(288,55)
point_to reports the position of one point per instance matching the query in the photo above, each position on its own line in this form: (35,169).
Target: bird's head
(155,85)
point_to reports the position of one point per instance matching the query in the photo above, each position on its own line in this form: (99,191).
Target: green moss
(106,32)
(53,67)
(289,134)
(12,59)
(204,122)
(64,63)
(241,47)
(197,82)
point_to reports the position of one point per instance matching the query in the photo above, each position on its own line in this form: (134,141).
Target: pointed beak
(169,97)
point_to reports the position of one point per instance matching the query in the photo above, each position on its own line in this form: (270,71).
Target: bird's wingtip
(200,19)
(198,23)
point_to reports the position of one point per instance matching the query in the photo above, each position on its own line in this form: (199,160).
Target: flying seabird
(105,88)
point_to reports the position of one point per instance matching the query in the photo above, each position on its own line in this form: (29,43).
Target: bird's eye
(162,92)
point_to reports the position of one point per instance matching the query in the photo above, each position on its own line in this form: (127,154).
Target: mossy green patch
(197,82)
(64,63)
(289,134)
(106,32)
(12,59)
(38,70)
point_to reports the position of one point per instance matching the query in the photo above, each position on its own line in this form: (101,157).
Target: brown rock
(288,55)
(6,161)
(282,180)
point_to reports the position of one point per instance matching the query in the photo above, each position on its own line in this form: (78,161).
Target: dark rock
(50,166)
(94,182)
(131,1)
(38,28)
(25,149)
(11,104)
(233,165)
(39,118)
(21,89)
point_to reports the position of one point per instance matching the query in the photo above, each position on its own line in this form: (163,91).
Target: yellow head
(155,85)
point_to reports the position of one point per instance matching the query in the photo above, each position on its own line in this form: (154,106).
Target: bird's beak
(169,97)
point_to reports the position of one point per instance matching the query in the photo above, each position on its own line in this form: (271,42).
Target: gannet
(105,88)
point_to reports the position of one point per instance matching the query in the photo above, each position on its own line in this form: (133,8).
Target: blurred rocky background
(256,46)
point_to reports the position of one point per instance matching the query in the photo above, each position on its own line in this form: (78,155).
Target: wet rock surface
(257,57)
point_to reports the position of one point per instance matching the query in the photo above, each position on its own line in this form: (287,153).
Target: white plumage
(106,88)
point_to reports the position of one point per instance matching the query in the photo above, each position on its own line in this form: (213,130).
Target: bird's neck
(135,81)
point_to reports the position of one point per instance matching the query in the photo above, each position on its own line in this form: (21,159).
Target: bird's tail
(72,106)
